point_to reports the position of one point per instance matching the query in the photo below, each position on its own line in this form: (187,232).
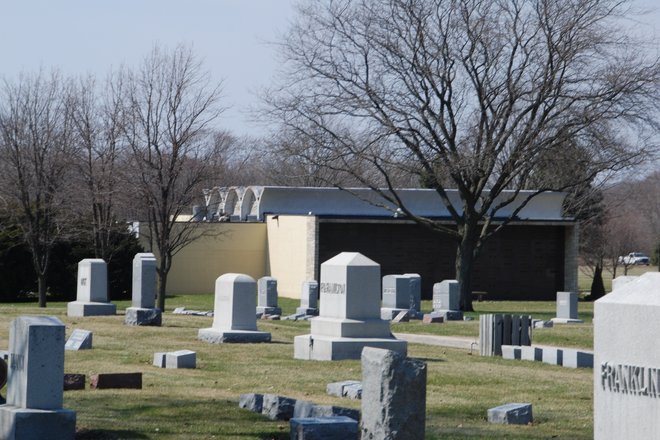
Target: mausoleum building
(287,232)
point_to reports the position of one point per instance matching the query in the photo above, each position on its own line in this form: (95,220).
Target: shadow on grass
(107,434)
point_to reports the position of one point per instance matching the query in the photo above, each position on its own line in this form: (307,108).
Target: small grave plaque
(116,380)
(79,340)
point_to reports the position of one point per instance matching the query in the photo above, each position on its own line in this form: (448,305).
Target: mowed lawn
(203,403)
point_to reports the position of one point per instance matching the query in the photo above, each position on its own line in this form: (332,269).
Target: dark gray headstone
(393,396)
(278,407)
(305,409)
(74,381)
(252,402)
(323,428)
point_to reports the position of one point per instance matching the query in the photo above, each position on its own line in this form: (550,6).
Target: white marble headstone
(350,287)
(267,292)
(446,295)
(235,301)
(395,291)
(349,315)
(567,305)
(627,361)
(309,295)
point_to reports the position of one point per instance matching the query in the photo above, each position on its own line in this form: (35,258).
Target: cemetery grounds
(203,403)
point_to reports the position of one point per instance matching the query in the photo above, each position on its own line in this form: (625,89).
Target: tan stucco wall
(238,247)
(292,252)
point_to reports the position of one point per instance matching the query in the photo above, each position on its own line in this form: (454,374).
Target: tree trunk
(465,256)
(41,279)
(597,286)
(162,283)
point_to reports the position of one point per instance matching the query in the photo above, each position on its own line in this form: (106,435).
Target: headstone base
(552,356)
(215,336)
(572,358)
(566,321)
(350,328)
(511,351)
(141,316)
(327,348)
(36,424)
(529,353)
(268,311)
(305,311)
(79,308)
(450,315)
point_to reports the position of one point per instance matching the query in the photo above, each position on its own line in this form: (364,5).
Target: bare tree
(476,95)
(622,236)
(171,104)
(35,152)
(98,119)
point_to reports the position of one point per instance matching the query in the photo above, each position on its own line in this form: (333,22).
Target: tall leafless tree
(171,105)
(98,119)
(35,153)
(476,95)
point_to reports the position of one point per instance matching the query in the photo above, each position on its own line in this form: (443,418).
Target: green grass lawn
(203,403)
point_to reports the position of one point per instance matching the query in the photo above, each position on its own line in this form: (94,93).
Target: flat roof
(254,202)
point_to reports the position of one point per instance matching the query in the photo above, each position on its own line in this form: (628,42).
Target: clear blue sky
(81,36)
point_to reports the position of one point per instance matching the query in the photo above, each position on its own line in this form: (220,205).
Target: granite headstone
(143,310)
(447,300)
(234,319)
(349,316)
(35,384)
(92,291)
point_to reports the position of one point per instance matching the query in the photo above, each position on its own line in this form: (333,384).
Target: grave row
(566,357)
(393,403)
(349,325)
(92,291)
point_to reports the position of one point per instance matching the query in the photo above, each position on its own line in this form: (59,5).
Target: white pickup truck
(634,258)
